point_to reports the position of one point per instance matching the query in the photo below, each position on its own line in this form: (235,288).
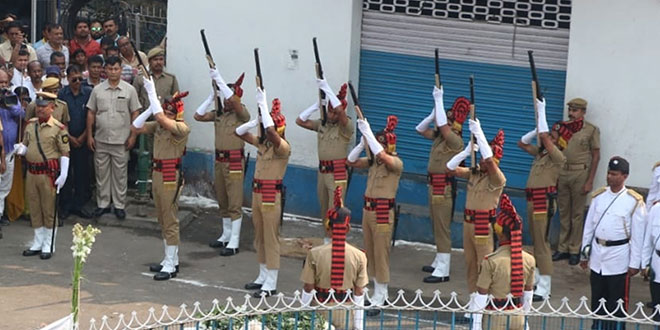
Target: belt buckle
(601,242)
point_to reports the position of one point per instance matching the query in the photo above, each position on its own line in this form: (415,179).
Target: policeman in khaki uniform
(447,142)
(333,136)
(613,240)
(229,159)
(508,270)
(581,142)
(170,138)
(166,83)
(61,110)
(338,266)
(273,153)
(385,169)
(46,149)
(541,192)
(485,185)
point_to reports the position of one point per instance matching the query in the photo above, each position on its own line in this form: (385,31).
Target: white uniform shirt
(652,241)
(625,218)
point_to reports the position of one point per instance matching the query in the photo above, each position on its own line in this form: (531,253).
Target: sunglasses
(76,79)
(97,29)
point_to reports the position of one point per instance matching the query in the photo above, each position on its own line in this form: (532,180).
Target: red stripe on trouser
(516,265)
(481,220)
(235,160)
(626,293)
(438,183)
(338,255)
(339,172)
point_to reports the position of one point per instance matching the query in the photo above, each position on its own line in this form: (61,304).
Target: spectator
(21,77)
(3,23)
(107,43)
(113,105)
(96,30)
(10,117)
(59,60)
(128,54)
(8,68)
(166,83)
(54,44)
(15,37)
(111,51)
(94,71)
(76,192)
(44,36)
(35,72)
(82,40)
(60,111)
(79,58)
(110,28)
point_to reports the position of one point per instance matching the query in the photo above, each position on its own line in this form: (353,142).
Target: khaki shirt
(578,150)
(318,267)
(271,161)
(167,144)
(225,124)
(333,139)
(545,169)
(113,107)
(53,138)
(61,111)
(495,272)
(442,151)
(166,86)
(135,63)
(483,192)
(381,182)
(6,49)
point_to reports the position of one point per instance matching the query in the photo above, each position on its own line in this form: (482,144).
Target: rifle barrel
(258,65)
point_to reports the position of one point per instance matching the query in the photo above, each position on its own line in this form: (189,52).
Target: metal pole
(137,31)
(33,20)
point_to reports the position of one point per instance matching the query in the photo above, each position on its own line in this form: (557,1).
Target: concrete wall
(277,28)
(613,64)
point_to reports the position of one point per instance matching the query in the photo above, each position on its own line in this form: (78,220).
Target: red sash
(539,199)
(481,220)
(268,190)
(382,206)
(337,167)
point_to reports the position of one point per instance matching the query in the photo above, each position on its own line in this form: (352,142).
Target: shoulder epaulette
(598,191)
(635,195)
(59,124)
(491,254)
(33,119)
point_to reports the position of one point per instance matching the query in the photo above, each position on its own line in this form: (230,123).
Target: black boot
(30,253)
(227,252)
(157,268)
(163,276)
(253,286)
(436,279)
(267,293)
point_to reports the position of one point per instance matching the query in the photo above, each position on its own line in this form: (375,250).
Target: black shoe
(82,213)
(267,293)
(560,256)
(157,268)
(120,214)
(228,252)
(30,253)
(217,244)
(4,221)
(537,298)
(100,211)
(45,255)
(373,312)
(650,304)
(428,269)
(574,259)
(64,214)
(436,279)
(253,286)
(163,276)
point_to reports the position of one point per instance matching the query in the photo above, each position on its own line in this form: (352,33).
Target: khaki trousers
(571,202)
(474,253)
(167,206)
(441,219)
(377,242)
(229,191)
(514,322)
(266,220)
(40,192)
(111,162)
(538,230)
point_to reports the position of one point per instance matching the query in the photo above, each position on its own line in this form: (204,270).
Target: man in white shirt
(651,250)
(21,78)
(612,241)
(55,43)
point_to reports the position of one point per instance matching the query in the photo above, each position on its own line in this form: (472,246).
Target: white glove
(478,303)
(358,315)
(148,84)
(355,153)
(309,111)
(203,108)
(424,124)
(374,145)
(528,137)
(440,116)
(542,122)
(20,149)
(527,301)
(142,118)
(306,298)
(266,119)
(484,147)
(453,163)
(154,102)
(241,130)
(222,85)
(329,94)
(64,172)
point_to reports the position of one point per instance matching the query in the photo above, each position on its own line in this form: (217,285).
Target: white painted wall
(235,28)
(613,64)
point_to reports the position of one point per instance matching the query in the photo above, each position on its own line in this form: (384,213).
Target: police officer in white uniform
(651,250)
(612,241)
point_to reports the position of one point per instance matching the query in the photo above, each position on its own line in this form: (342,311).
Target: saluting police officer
(612,241)
(273,153)
(229,159)
(447,142)
(46,149)
(333,135)
(541,194)
(170,138)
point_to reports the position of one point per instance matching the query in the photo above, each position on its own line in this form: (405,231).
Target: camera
(7,98)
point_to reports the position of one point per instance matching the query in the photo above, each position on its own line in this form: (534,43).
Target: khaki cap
(51,82)
(577,103)
(43,98)
(156,51)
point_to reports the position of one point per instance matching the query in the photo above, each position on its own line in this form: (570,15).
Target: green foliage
(286,321)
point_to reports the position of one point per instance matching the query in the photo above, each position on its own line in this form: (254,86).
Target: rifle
(260,84)
(473,156)
(246,165)
(438,81)
(360,115)
(552,198)
(319,75)
(536,92)
(209,58)
(282,203)
(140,63)
(397,211)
